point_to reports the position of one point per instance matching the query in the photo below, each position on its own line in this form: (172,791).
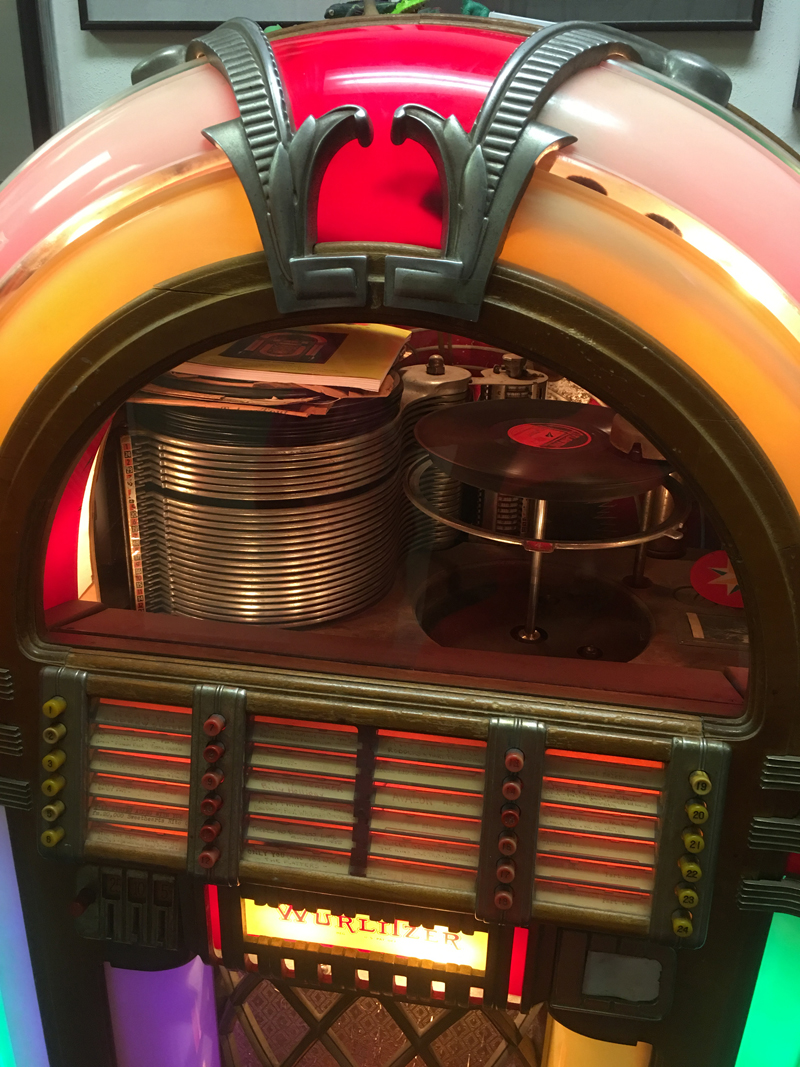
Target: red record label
(713,578)
(549,435)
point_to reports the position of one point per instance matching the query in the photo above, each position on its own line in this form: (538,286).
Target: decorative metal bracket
(484,173)
(771,833)
(761,894)
(781,772)
(281,169)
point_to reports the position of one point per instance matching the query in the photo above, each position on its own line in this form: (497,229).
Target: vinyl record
(540,449)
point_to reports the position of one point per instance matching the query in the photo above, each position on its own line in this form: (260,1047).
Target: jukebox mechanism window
(404,501)
(380,504)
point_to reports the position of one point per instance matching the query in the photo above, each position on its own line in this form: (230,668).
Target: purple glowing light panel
(21,1036)
(164,1018)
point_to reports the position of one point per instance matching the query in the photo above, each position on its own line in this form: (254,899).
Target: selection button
(51,812)
(515,760)
(503,897)
(512,789)
(682,924)
(53,734)
(54,707)
(700,783)
(54,785)
(53,760)
(693,840)
(697,812)
(687,895)
(690,869)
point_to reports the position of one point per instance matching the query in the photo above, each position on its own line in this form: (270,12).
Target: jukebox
(399,556)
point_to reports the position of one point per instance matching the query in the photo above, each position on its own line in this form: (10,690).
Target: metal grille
(6,684)
(781,772)
(139,763)
(15,793)
(279,1025)
(598,831)
(780,835)
(300,796)
(502,513)
(424,812)
(10,740)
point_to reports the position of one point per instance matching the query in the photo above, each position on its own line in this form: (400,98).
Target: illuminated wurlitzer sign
(295,927)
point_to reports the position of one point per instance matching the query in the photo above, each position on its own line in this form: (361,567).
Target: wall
(16,142)
(763,65)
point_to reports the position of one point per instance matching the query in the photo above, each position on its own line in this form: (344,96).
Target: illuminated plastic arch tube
(631,124)
(586,242)
(110,239)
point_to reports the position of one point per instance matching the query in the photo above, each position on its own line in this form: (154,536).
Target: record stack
(249,514)
(426,388)
(508,380)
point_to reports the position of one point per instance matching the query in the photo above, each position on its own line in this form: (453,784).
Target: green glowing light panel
(772,1034)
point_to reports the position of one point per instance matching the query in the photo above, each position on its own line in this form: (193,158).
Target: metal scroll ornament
(484,173)
(281,169)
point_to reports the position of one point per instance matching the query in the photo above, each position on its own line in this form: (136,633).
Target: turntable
(543,452)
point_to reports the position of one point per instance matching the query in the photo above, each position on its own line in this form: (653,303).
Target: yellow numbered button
(687,895)
(682,924)
(53,734)
(54,706)
(51,812)
(690,869)
(53,760)
(697,812)
(51,786)
(700,783)
(693,840)
(52,837)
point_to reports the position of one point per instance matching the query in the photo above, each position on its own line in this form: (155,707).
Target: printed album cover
(357,356)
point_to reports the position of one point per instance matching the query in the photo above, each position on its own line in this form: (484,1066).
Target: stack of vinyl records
(509,379)
(428,388)
(252,515)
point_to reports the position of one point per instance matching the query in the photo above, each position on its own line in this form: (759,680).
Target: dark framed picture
(193,14)
(643,14)
(31,42)
(626,14)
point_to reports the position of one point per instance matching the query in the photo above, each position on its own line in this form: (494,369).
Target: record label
(549,435)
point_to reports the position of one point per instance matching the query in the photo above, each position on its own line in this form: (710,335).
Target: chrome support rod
(637,579)
(538,512)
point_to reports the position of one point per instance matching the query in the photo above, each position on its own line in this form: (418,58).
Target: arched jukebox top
(401,507)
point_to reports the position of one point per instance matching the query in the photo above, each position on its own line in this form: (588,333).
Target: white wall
(16,141)
(90,67)
(763,64)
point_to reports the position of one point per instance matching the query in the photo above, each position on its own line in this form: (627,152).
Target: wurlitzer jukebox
(399,557)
